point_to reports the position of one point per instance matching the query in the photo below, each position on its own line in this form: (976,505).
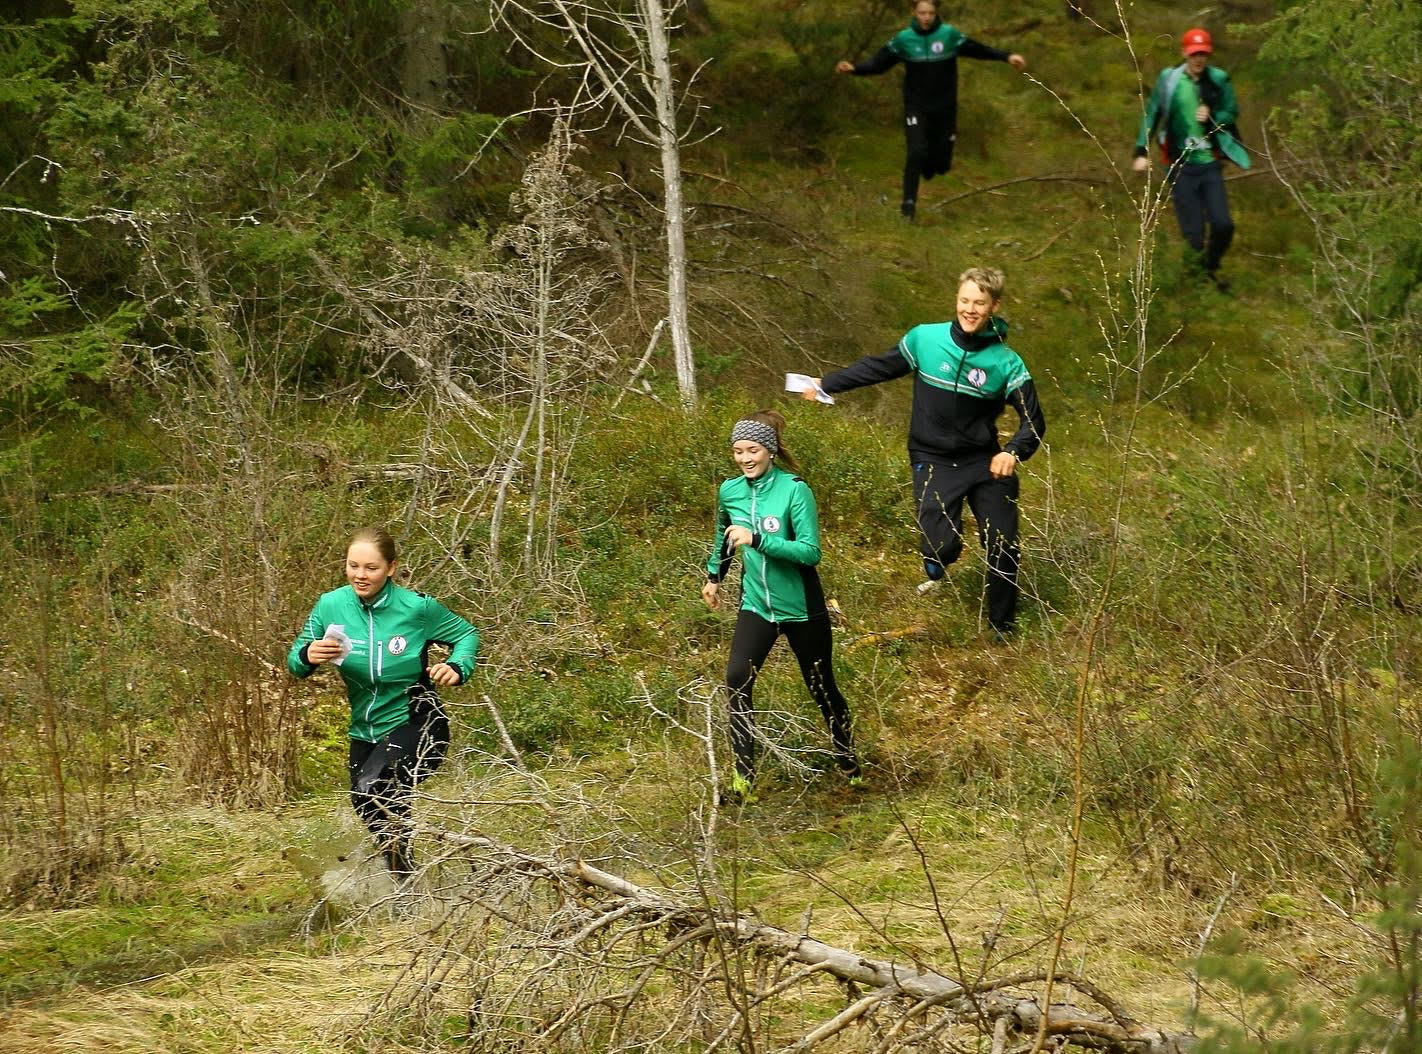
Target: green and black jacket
(778,577)
(1170,114)
(930,59)
(390,642)
(962,382)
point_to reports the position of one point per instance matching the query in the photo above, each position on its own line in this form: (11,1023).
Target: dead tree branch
(613,909)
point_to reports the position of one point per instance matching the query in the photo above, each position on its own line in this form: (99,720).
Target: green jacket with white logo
(930,59)
(390,639)
(778,577)
(1170,111)
(962,382)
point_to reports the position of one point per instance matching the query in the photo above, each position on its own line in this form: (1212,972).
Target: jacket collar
(381,599)
(993,333)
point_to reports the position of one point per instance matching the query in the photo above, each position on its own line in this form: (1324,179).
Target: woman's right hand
(324,650)
(711,594)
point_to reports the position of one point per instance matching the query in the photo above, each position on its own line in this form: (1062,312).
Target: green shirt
(778,578)
(1184,104)
(993,372)
(942,44)
(390,639)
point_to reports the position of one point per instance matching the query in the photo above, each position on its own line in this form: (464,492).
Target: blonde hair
(989,279)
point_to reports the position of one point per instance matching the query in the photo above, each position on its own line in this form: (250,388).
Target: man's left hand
(1003,465)
(1202,114)
(1017,62)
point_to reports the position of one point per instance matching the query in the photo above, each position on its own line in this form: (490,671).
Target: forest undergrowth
(1193,772)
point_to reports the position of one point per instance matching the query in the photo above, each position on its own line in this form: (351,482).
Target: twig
(1192,1014)
(1054,239)
(642,363)
(1060,178)
(505,739)
(840,1021)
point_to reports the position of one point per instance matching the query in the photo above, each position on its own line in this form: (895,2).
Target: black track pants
(939,488)
(1198,193)
(928,137)
(383,777)
(810,641)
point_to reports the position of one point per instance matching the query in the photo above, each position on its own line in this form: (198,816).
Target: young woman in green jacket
(378,636)
(767,514)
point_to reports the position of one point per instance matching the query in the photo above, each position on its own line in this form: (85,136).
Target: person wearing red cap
(1192,111)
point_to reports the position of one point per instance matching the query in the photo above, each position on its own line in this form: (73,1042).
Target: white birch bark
(659,48)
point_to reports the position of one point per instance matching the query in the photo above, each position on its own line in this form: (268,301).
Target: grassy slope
(964,739)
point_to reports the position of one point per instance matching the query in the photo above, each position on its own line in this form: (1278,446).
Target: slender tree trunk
(49,712)
(424,64)
(664,87)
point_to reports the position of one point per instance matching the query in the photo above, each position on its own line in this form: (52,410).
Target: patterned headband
(756,432)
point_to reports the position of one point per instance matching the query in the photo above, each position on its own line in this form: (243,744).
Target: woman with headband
(768,515)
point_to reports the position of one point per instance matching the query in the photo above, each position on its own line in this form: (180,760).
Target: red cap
(1196,40)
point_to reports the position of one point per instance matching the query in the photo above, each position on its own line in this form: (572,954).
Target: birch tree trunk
(664,87)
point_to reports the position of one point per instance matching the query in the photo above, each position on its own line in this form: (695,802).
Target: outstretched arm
(973,49)
(882,61)
(869,370)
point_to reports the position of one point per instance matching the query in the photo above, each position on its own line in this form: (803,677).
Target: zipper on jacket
(755,527)
(370,666)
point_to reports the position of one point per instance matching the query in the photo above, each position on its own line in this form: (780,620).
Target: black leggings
(810,641)
(384,774)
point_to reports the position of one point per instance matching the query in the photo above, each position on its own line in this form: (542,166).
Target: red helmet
(1196,40)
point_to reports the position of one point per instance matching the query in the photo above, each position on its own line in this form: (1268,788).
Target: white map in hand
(336,631)
(803,382)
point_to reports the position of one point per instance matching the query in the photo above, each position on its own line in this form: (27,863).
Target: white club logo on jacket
(770,525)
(397,645)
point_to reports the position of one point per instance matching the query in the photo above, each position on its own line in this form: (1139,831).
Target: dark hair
(376,537)
(915,4)
(777,422)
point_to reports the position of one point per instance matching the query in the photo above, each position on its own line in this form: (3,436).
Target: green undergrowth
(1205,564)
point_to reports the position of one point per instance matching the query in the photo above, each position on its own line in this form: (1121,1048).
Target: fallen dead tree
(556,953)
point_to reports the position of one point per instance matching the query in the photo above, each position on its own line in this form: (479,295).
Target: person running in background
(378,635)
(964,375)
(767,514)
(1194,110)
(929,49)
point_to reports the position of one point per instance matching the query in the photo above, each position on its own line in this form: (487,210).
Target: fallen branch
(887,636)
(890,983)
(1053,240)
(1058,178)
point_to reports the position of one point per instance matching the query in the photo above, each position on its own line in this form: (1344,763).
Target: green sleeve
(1228,110)
(805,517)
(314,629)
(455,633)
(1151,116)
